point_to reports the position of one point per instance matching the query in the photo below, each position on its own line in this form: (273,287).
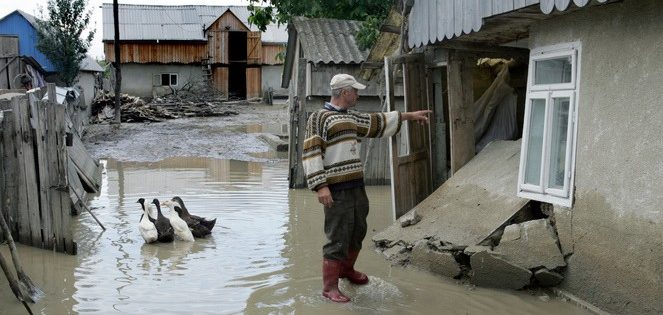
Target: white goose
(147,229)
(182,230)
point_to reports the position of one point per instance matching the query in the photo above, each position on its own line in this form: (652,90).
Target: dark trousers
(345,222)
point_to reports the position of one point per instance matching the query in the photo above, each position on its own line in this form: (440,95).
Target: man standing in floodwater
(335,172)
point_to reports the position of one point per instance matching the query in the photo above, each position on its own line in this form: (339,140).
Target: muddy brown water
(263,257)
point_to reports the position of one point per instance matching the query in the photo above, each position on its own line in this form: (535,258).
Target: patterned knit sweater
(331,149)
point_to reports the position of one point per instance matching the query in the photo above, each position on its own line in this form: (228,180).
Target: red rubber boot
(349,271)
(330,272)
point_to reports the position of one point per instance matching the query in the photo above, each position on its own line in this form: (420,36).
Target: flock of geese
(180,224)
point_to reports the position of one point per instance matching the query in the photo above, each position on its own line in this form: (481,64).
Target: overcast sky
(97,50)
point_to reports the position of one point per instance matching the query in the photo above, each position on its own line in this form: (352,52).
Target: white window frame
(548,92)
(170,78)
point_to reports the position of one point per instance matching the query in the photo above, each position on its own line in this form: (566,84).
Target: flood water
(263,257)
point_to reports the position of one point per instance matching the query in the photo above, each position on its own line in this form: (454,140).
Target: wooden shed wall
(228,22)
(175,52)
(217,43)
(253,48)
(253,82)
(269,52)
(220,79)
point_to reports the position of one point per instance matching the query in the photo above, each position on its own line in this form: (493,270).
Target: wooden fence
(41,169)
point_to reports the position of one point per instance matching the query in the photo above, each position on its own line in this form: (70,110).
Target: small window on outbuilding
(169,79)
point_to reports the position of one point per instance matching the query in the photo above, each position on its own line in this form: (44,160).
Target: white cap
(344,80)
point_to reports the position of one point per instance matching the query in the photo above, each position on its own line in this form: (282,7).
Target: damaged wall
(617,221)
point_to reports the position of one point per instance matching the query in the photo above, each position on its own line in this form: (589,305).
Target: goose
(180,227)
(186,216)
(165,230)
(197,230)
(146,227)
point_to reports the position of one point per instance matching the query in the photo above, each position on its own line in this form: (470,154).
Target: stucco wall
(617,216)
(86,81)
(137,78)
(271,77)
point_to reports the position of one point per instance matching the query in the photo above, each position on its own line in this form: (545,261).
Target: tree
(59,36)
(370,12)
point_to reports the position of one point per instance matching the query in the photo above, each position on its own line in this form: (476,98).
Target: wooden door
(253,61)
(410,153)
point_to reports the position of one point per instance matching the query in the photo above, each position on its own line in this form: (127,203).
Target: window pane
(535,142)
(558,144)
(553,71)
(173,79)
(165,79)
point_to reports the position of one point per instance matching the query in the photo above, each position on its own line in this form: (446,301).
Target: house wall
(86,80)
(271,77)
(137,78)
(616,229)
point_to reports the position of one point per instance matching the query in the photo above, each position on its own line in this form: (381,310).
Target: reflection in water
(264,255)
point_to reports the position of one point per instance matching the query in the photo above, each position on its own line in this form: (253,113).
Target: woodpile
(135,109)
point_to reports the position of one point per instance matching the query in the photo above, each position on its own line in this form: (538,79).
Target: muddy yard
(245,137)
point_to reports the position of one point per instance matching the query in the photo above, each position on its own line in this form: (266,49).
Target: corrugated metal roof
(328,40)
(89,64)
(185,22)
(434,21)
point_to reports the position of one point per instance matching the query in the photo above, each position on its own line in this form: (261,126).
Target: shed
(317,50)
(164,47)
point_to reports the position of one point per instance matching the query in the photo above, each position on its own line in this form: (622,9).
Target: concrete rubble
(475,230)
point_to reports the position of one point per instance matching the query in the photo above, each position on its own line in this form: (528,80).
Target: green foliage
(60,36)
(370,12)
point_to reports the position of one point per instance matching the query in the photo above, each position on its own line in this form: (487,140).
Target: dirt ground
(238,137)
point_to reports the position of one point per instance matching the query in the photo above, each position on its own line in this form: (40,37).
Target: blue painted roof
(22,25)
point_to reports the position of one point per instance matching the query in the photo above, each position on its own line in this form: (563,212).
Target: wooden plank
(75,188)
(253,82)
(59,191)
(4,75)
(86,167)
(510,52)
(2,171)
(253,48)
(461,99)
(10,170)
(29,225)
(39,112)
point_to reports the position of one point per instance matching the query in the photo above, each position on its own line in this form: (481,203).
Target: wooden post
(116,64)
(299,179)
(461,101)
(33,292)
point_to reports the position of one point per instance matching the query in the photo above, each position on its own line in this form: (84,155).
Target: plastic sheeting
(495,111)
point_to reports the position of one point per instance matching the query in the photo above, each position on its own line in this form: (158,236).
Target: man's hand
(324,197)
(420,115)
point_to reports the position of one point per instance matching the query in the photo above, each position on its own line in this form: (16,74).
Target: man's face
(351,96)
